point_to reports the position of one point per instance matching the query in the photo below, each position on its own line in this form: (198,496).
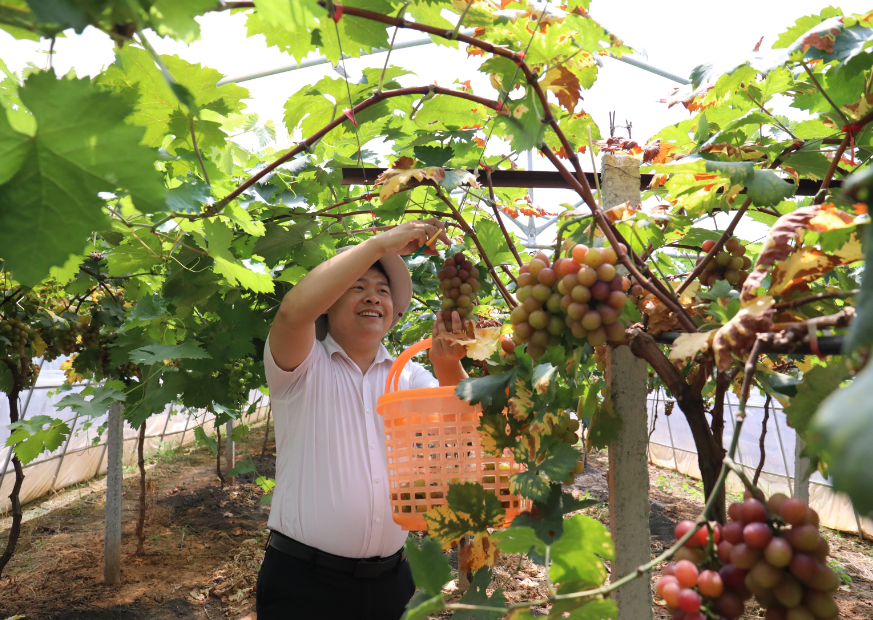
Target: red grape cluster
(599,358)
(730,264)
(773,552)
(459,284)
(581,293)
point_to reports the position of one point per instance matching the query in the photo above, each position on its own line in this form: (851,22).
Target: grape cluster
(730,264)
(459,284)
(17,332)
(240,375)
(130,370)
(581,293)
(599,358)
(91,336)
(773,552)
(31,373)
(61,340)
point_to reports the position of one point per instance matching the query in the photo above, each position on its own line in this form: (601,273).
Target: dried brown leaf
(739,334)
(778,246)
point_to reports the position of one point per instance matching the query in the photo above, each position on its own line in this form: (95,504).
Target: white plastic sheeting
(80,458)
(671,446)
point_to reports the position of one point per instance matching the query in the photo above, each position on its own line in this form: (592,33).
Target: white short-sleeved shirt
(331,471)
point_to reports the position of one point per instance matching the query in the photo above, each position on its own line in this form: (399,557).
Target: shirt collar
(332,347)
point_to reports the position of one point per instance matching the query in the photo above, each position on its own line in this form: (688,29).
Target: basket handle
(400,362)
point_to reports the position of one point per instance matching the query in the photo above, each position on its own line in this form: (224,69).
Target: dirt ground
(204,545)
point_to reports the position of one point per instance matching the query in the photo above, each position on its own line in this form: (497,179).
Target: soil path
(204,545)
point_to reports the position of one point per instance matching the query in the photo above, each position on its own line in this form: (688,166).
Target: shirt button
(376,480)
(368,411)
(378,519)
(372,446)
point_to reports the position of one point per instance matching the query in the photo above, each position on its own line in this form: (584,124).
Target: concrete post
(628,480)
(628,476)
(801,465)
(112,535)
(619,180)
(229,450)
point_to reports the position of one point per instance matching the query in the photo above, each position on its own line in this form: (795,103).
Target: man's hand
(445,356)
(409,236)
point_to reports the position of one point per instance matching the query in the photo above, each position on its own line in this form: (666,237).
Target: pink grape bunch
(581,294)
(771,552)
(459,284)
(730,264)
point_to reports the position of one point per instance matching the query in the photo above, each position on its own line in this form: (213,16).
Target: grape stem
(497,216)
(507,297)
(563,227)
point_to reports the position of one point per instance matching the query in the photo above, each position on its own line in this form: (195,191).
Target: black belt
(360,568)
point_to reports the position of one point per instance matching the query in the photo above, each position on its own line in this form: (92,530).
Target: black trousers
(292,589)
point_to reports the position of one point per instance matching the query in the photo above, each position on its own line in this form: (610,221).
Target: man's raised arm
(293,330)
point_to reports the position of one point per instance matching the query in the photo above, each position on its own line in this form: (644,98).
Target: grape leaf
(430,570)
(422,606)
(477,594)
(98,405)
(490,390)
(82,146)
(205,440)
(154,353)
(433,155)
(841,432)
(470,510)
(576,555)
(819,383)
(246,467)
(13,148)
(546,519)
(279,243)
(219,238)
(176,19)
(136,77)
(30,438)
(860,336)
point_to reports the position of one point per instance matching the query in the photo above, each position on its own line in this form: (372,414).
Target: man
(335,551)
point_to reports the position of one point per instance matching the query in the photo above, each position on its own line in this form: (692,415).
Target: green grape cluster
(130,370)
(32,373)
(566,430)
(16,331)
(240,375)
(91,336)
(66,339)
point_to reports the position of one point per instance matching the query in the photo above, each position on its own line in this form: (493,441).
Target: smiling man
(334,550)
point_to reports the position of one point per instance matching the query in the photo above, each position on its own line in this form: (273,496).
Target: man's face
(365,310)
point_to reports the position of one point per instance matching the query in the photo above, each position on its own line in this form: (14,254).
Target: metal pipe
(322,61)
(782,450)
(647,67)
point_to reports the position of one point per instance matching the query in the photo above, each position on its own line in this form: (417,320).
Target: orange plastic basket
(432,442)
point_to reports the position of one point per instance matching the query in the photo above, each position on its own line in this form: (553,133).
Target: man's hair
(378,267)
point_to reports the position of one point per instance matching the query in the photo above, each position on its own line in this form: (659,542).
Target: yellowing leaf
(520,405)
(564,84)
(39,345)
(830,218)
(392,180)
(687,345)
(480,552)
(809,264)
(481,346)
